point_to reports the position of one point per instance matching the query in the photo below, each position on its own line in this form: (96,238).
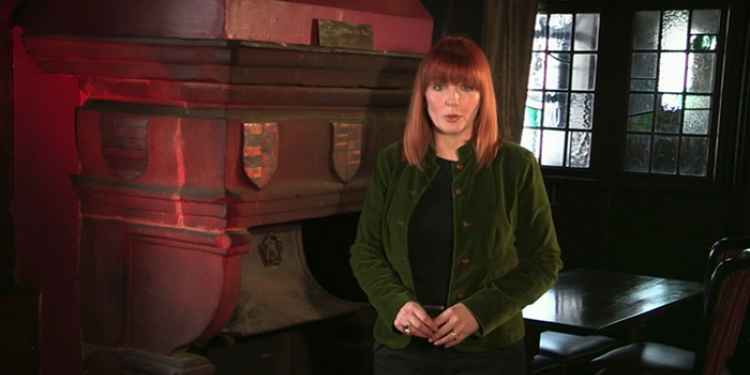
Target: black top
(431,238)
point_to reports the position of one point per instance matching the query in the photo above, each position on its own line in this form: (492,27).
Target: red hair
(455,60)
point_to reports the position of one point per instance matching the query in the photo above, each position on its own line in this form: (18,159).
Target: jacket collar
(466,156)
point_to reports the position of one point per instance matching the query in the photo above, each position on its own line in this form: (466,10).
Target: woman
(456,234)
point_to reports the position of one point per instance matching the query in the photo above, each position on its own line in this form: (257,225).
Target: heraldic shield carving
(124,140)
(260,152)
(347,149)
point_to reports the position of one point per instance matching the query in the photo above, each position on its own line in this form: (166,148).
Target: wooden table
(591,301)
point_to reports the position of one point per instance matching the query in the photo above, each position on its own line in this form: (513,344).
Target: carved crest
(124,140)
(347,149)
(260,152)
(270,250)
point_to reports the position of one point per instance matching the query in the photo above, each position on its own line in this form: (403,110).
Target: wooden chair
(725,306)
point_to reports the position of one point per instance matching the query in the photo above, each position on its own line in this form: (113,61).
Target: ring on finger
(454,335)
(407,330)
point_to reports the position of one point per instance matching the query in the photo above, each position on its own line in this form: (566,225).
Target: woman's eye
(437,86)
(467,88)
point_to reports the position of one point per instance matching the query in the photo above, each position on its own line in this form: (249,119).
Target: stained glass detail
(703,42)
(533,113)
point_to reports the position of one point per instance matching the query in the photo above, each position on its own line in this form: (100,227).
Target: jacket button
(466,224)
(457,191)
(465,261)
(459,166)
(460,295)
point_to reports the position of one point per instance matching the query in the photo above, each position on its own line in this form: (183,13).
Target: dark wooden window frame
(612,90)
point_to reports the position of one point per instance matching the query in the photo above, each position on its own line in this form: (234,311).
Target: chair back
(722,249)
(727,296)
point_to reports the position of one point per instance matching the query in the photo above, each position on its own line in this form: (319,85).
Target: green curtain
(507,37)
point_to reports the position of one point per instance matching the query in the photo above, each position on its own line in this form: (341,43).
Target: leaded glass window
(672,75)
(558,118)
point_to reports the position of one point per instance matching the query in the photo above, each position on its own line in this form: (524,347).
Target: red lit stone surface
(131,185)
(398,25)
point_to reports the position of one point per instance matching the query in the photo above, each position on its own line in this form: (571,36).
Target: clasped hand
(449,328)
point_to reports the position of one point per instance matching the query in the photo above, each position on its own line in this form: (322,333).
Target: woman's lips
(452,118)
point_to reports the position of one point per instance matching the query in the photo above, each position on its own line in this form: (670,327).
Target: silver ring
(454,334)
(407,331)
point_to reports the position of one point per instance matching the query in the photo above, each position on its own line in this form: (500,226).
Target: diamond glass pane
(587,32)
(531,139)
(581,110)
(646,30)
(536,70)
(665,155)
(669,113)
(579,152)
(533,111)
(560,32)
(693,156)
(555,109)
(701,71)
(540,32)
(705,21)
(558,71)
(696,122)
(637,153)
(553,147)
(674,29)
(584,72)
(672,72)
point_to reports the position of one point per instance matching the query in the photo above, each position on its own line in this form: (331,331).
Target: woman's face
(452,109)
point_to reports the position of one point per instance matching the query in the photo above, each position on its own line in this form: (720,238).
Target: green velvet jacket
(505,252)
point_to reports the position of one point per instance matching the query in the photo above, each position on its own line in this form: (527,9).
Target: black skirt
(422,358)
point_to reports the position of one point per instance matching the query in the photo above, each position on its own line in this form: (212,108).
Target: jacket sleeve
(537,250)
(371,268)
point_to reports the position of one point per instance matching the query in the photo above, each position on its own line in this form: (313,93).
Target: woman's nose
(453,95)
